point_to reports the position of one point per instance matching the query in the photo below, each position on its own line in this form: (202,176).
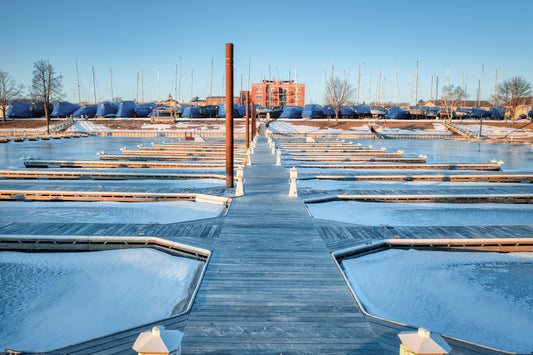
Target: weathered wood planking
(271,285)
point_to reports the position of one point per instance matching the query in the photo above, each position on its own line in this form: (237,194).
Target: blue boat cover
(530,114)
(397,113)
(496,112)
(242,110)
(222,110)
(86,111)
(312,111)
(64,109)
(479,112)
(144,110)
(20,109)
(126,109)
(191,111)
(106,108)
(362,109)
(291,112)
(328,110)
(348,111)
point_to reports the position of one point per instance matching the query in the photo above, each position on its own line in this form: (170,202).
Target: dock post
(249,156)
(239,190)
(273,148)
(247,102)
(293,177)
(159,341)
(278,157)
(229,115)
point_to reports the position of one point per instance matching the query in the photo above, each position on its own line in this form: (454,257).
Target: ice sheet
(51,300)
(423,214)
(107,212)
(482,297)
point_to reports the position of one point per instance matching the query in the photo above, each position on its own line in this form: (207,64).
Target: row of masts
(379,93)
(414,86)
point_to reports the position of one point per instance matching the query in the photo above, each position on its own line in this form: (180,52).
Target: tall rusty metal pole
(229,115)
(247,102)
(254,131)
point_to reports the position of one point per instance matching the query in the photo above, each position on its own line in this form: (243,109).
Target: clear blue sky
(308,35)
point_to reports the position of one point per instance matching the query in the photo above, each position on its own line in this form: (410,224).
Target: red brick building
(272,93)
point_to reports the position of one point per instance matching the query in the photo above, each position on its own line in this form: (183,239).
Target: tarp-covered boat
(18,109)
(208,111)
(191,112)
(530,114)
(347,111)
(144,110)
(291,112)
(106,109)
(126,109)
(222,110)
(363,110)
(479,112)
(397,113)
(328,111)
(497,113)
(377,111)
(87,111)
(312,111)
(37,110)
(64,109)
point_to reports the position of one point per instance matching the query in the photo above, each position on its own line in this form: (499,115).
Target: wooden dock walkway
(272,286)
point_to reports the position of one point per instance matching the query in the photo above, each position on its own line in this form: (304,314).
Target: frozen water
(130,185)
(397,185)
(423,214)
(51,300)
(12,154)
(481,297)
(107,212)
(515,157)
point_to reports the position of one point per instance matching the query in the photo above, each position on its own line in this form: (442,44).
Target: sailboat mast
(78,82)
(176,82)
(396,84)
(158,85)
(60,87)
(211,78)
(480,84)
(358,82)
(94,87)
(324,83)
(179,85)
(416,85)
(192,73)
(142,87)
(363,84)
(137,92)
(111,82)
(249,68)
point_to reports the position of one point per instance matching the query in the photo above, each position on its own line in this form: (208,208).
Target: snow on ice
(51,300)
(481,297)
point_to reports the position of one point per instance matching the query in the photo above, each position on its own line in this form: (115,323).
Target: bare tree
(8,91)
(339,93)
(45,86)
(510,92)
(452,96)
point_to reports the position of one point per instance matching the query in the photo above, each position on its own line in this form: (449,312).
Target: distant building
(272,93)
(462,103)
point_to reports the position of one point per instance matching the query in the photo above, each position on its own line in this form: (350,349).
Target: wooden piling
(229,115)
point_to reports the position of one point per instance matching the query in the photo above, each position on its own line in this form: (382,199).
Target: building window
(258,89)
(259,97)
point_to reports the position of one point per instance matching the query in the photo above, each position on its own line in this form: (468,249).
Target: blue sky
(307,35)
